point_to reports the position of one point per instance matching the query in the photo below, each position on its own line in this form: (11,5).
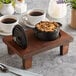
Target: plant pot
(7,9)
(73,18)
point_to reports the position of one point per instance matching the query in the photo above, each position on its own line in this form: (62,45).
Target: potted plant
(72,3)
(6,7)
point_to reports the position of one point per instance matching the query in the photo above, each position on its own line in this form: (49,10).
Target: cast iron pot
(47,36)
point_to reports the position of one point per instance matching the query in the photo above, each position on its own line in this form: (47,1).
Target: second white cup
(34,16)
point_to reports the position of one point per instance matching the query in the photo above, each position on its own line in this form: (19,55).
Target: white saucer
(32,26)
(27,25)
(5,33)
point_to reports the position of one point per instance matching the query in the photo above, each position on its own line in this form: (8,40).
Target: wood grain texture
(10,52)
(27,63)
(64,49)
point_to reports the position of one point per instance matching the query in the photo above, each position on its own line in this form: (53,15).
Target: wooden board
(35,45)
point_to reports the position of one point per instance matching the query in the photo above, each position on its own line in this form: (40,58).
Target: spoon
(4,69)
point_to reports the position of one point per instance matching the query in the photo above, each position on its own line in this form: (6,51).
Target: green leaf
(1,5)
(13,3)
(72,3)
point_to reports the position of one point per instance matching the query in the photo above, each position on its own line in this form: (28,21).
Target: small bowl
(47,36)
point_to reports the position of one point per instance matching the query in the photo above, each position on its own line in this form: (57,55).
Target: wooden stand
(73,18)
(36,46)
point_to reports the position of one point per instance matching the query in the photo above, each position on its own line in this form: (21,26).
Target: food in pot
(46,30)
(47,26)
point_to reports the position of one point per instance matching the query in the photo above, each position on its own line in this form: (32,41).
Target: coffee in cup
(35,13)
(8,20)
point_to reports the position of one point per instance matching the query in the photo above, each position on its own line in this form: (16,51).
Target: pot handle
(59,24)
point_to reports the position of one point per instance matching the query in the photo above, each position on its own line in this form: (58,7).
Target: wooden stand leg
(64,49)
(10,51)
(27,63)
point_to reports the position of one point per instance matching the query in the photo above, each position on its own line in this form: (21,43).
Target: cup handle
(24,18)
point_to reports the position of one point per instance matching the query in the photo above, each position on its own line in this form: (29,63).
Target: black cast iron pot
(47,36)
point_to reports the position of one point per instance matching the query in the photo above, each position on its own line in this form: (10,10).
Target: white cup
(34,16)
(7,23)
